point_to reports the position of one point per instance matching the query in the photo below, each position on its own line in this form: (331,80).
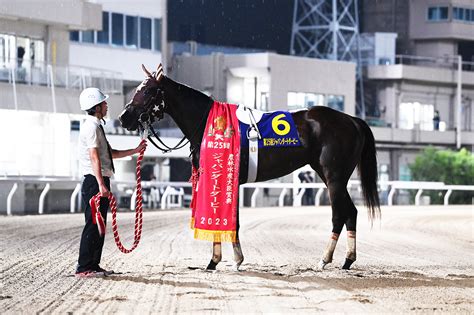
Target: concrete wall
(74,13)
(429,75)
(436,48)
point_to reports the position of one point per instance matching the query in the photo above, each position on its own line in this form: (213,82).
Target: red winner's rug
(216,184)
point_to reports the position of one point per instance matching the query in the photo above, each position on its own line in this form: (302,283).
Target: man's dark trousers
(90,250)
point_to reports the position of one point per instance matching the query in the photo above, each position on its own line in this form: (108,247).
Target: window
(458,13)
(103,35)
(437,13)
(87,36)
(131,26)
(299,100)
(463,14)
(124,30)
(336,102)
(416,115)
(74,36)
(145,33)
(117,29)
(157,34)
(404,173)
(3,57)
(37,54)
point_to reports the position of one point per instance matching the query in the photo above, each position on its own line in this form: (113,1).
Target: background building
(49,52)
(409,64)
(236,51)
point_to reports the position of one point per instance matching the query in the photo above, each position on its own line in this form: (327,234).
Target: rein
(166,148)
(97,216)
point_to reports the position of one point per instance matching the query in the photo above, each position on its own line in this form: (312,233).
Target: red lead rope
(97,217)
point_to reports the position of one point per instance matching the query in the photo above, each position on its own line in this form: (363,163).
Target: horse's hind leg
(343,211)
(351,223)
(329,251)
(216,256)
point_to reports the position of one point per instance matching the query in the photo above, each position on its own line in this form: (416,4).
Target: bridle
(157,112)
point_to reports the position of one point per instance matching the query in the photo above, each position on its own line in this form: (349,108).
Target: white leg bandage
(328,253)
(351,245)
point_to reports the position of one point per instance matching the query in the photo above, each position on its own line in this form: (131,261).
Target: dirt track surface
(417,260)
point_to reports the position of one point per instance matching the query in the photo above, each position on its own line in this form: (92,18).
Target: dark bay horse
(333,144)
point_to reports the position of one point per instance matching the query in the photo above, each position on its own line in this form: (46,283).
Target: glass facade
(88,37)
(463,14)
(299,100)
(157,34)
(414,115)
(437,13)
(134,32)
(131,26)
(336,102)
(145,33)
(103,36)
(74,36)
(117,29)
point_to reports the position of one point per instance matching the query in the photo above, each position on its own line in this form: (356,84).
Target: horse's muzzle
(128,120)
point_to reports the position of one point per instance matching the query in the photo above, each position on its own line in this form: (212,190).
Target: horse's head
(147,102)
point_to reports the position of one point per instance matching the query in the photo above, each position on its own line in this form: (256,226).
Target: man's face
(103,108)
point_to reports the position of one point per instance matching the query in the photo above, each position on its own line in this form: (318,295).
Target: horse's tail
(368,173)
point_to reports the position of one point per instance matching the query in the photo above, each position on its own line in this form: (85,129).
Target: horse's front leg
(238,256)
(216,256)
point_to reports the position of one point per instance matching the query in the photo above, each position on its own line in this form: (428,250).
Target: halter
(145,121)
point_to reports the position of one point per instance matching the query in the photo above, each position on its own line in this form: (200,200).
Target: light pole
(458,103)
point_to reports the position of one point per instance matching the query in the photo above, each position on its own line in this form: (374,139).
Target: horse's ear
(159,72)
(146,71)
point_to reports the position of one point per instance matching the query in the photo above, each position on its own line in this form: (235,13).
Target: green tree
(450,167)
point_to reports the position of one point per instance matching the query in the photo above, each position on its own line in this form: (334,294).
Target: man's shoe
(105,272)
(89,274)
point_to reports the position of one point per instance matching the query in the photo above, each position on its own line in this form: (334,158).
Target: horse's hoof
(235,267)
(347,264)
(212,266)
(322,264)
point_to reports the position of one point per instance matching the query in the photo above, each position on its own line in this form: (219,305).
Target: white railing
(173,195)
(69,77)
(448,62)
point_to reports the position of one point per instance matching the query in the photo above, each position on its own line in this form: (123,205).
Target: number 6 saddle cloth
(276,129)
(263,130)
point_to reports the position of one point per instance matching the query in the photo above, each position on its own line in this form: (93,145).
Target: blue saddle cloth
(277,130)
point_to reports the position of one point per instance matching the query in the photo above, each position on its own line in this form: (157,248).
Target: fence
(168,195)
(69,77)
(447,62)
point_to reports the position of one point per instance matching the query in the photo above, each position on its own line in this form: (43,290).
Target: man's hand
(104,192)
(141,146)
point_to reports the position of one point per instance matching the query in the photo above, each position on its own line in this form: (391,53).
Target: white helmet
(90,97)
